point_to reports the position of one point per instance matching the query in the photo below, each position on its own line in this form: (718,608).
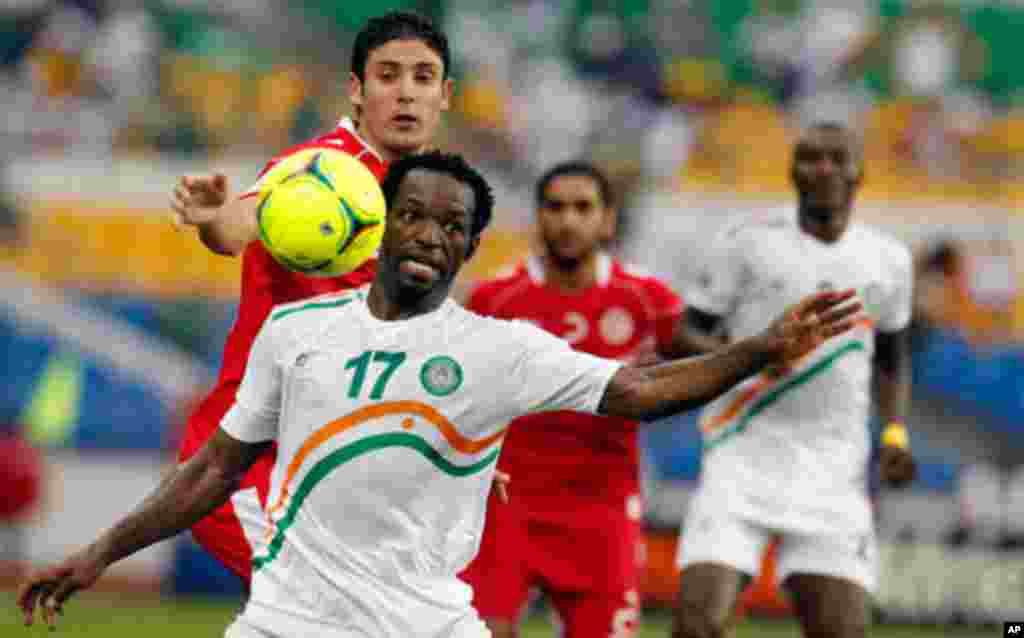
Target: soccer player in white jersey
(388,405)
(786,455)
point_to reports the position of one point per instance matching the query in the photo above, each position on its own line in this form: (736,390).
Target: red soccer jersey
(265,284)
(624,316)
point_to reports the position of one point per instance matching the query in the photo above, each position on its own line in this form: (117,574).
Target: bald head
(826,167)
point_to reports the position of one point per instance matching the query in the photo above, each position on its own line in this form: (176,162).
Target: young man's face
(826,169)
(401,97)
(573,218)
(428,234)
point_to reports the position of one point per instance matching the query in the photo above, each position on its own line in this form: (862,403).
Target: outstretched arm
(657,391)
(191,491)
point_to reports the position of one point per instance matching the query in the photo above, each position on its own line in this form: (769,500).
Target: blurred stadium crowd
(652,84)
(693,100)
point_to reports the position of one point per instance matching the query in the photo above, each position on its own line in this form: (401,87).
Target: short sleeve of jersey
(547,374)
(720,278)
(254,416)
(895,312)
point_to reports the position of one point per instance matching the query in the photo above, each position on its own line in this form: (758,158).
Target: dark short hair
(574,168)
(398,25)
(452,165)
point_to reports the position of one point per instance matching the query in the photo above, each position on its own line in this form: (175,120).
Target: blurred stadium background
(113,322)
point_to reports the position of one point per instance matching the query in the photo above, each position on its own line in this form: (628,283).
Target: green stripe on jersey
(309,306)
(345,454)
(776,393)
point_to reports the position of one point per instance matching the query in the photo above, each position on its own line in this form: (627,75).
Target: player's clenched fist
(808,324)
(897,466)
(49,588)
(197,198)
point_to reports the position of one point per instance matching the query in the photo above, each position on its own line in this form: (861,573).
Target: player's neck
(388,302)
(571,275)
(826,227)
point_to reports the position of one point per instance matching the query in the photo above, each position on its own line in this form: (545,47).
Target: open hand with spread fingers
(808,324)
(197,199)
(49,588)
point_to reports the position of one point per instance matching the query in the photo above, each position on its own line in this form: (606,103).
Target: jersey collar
(350,126)
(535,269)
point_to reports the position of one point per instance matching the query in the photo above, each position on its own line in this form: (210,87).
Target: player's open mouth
(419,270)
(405,121)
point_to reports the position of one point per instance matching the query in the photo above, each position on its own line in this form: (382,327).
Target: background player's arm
(892,371)
(892,374)
(655,391)
(225,225)
(892,380)
(191,491)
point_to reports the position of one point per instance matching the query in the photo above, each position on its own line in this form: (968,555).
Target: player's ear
(474,243)
(447,91)
(858,179)
(610,224)
(355,91)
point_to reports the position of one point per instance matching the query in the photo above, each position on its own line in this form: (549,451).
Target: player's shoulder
(295,314)
(635,276)
(745,224)
(628,271)
(499,332)
(486,291)
(889,248)
(505,276)
(339,139)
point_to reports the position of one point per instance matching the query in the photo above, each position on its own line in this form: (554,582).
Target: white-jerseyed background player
(786,455)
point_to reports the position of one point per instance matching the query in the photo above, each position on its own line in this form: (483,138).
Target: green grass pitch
(110,617)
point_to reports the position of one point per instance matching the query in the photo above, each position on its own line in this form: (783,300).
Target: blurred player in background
(786,455)
(389,406)
(398,87)
(573,527)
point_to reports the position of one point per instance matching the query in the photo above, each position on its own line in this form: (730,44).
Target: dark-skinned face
(428,235)
(826,171)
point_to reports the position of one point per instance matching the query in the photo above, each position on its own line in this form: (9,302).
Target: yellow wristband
(895,435)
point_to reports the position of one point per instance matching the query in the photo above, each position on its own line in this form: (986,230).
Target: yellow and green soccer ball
(321,213)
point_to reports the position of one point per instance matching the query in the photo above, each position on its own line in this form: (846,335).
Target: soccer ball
(321,213)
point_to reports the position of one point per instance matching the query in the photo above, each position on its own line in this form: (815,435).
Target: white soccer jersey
(388,433)
(794,450)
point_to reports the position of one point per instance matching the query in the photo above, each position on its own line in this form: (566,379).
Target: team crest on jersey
(441,375)
(872,297)
(616,326)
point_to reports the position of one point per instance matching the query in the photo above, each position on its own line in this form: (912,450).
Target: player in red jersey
(573,524)
(398,87)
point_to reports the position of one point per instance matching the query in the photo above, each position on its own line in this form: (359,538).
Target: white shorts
(400,616)
(718,536)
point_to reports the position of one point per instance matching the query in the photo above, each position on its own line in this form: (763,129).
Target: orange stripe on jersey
(376,411)
(762,383)
(732,410)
